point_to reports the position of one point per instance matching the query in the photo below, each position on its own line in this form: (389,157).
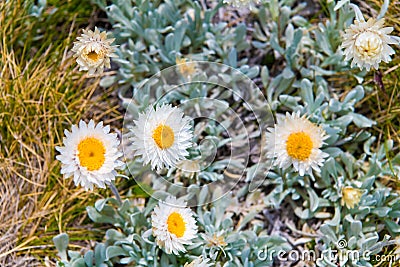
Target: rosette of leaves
(228,120)
(369,226)
(310,58)
(153,34)
(293,48)
(128,241)
(233,241)
(354,161)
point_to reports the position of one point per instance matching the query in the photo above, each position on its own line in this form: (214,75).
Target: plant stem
(115,191)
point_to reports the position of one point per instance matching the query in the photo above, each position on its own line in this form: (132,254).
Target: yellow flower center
(176,224)
(91,153)
(92,55)
(299,145)
(163,136)
(369,44)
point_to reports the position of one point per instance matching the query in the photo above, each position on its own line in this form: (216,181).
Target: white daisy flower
(173,225)
(199,262)
(90,154)
(243,3)
(367,42)
(93,51)
(162,136)
(296,141)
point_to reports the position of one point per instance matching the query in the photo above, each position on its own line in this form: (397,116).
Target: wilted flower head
(93,51)
(90,154)
(351,196)
(216,240)
(186,67)
(367,42)
(296,141)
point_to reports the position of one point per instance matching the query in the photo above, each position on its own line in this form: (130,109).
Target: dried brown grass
(41,94)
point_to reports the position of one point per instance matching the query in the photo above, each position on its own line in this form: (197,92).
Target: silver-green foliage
(129,241)
(312,56)
(153,34)
(306,60)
